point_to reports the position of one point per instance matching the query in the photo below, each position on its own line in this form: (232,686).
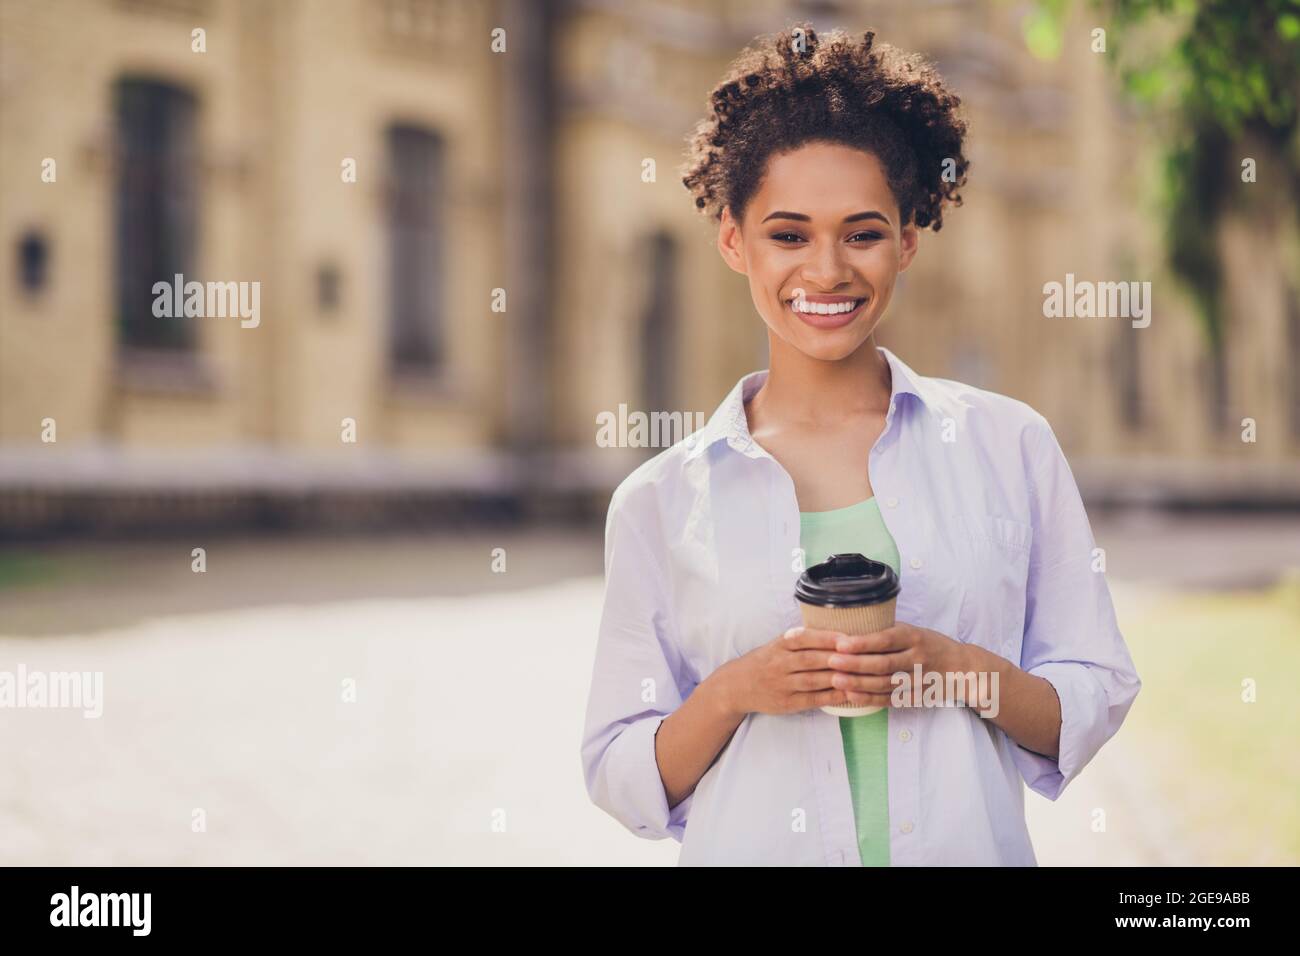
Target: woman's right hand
(786,675)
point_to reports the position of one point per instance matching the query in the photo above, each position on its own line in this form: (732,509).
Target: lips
(834,320)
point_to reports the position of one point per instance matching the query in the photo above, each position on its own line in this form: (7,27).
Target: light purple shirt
(701,560)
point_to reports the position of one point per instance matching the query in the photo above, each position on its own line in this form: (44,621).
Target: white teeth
(822,308)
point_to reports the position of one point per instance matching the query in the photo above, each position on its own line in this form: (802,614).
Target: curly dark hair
(779,94)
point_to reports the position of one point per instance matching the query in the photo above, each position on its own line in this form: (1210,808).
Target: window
(1127,365)
(1293,361)
(328,288)
(658,325)
(415,277)
(156,208)
(33,262)
(1216,394)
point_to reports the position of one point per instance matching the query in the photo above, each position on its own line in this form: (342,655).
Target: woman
(822,160)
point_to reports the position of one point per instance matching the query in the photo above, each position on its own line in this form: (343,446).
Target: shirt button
(915,563)
(891,502)
(904,735)
(906,827)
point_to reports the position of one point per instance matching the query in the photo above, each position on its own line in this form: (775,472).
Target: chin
(830,349)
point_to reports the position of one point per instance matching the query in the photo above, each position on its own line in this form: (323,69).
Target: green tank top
(859,528)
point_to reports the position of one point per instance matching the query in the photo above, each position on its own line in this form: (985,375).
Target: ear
(907,245)
(731,245)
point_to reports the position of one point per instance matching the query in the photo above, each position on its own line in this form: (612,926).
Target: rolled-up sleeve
(1071,638)
(637,679)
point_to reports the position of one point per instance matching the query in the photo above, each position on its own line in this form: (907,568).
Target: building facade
(469,239)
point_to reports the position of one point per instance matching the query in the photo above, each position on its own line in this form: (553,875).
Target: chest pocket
(996,554)
(937,575)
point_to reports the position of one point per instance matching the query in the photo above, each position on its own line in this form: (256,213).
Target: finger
(870,663)
(863,683)
(821,698)
(811,660)
(806,638)
(856,699)
(877,642)
(813,680)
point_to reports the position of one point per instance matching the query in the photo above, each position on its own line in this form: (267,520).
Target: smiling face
(822,246)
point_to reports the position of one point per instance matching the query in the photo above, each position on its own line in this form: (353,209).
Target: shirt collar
(729,423)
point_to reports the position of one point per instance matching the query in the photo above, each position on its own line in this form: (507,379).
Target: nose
(826,267)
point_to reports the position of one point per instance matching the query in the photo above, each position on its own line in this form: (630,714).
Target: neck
(816,392)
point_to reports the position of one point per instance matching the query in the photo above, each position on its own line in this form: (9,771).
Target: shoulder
(993,408)
(1011,427)
(652,487)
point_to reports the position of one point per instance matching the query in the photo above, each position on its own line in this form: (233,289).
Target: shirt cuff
(1083,722)
(643,796)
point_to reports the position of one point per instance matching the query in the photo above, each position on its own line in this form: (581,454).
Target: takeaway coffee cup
(852,594)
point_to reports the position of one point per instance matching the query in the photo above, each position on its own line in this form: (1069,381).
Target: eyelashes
(795,237)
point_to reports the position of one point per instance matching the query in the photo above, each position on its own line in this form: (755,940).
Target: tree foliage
(1221,81)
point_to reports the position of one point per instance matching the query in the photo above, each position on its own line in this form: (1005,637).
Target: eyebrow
(800,217)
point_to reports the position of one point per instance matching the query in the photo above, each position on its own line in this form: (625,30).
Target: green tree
(1221,78)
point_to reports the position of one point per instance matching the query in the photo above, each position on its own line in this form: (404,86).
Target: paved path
(239,713)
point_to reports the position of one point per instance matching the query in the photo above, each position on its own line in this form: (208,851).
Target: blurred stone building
(460,257)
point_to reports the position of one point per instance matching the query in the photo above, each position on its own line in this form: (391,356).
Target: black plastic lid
(847,579)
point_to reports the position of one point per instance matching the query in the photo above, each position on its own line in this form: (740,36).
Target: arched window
(659,323)
(1215,364)
(1293,361)
(415,250)
(155,216)
(1127,367)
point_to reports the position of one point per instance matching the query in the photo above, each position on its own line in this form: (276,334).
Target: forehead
(824,179)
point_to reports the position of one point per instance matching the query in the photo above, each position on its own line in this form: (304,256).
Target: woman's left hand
(867,663)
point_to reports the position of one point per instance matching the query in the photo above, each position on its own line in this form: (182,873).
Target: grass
(21,570)
(1228,769)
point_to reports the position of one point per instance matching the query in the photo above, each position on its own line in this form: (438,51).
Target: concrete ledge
(1184,483)
(104,490)
(246,469)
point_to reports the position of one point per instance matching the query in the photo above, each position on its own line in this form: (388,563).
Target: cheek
(880,265)
(881,272)
(767,273)
(768,280)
